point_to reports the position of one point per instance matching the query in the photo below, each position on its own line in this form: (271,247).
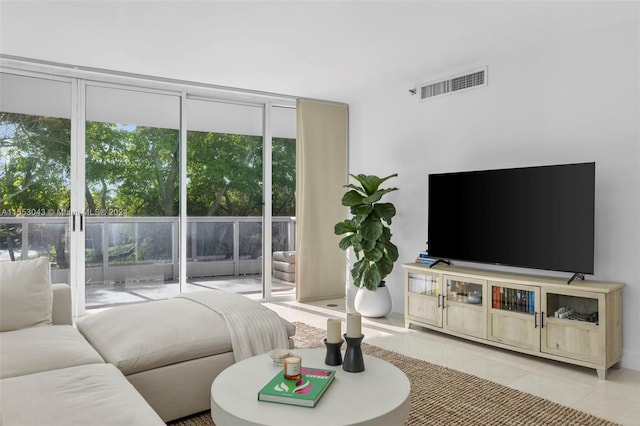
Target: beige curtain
(321,167)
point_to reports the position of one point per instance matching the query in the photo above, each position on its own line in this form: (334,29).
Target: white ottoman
(170,350)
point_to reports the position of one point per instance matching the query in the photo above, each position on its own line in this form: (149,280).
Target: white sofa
(50,374)
(157,359)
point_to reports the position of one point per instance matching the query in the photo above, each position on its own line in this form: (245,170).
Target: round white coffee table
(379,395)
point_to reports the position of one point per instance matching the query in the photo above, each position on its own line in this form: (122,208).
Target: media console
(579,323)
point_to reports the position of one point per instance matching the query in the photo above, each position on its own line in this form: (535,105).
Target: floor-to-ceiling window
(109,169)
(35,167)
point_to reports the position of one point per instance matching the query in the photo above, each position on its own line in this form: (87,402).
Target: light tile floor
(616,399)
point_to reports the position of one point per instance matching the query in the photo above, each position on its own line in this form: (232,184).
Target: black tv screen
(531,217)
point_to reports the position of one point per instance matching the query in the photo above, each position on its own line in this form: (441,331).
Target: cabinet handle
(542,319)
(73,221)
(535,320)
(81,220)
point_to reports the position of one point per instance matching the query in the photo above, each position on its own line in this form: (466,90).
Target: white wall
(576,100)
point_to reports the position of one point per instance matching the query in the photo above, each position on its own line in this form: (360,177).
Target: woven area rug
(442,396)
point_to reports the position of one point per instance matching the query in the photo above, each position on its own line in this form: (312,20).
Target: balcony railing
(146,249)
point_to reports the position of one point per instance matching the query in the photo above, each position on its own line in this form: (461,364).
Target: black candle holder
(353,359)
(333,356)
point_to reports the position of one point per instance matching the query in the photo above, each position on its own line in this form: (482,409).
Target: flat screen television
(530,217)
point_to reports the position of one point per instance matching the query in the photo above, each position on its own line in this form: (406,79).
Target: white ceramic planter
(373,304)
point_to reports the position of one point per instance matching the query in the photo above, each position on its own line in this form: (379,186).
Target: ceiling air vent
(455,84)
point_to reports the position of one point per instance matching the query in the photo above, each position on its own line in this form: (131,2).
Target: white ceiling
(332,50)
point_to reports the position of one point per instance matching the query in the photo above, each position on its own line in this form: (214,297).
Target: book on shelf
(532,302)
(423,258)
(510,299)
(305,392)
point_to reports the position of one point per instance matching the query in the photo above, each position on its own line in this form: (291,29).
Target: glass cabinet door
(425,284)
(571,325)
(463,291)
(424,299)
(514,315)
(466,308)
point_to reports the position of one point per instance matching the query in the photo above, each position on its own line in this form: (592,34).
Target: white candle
(354,325)
(334,331)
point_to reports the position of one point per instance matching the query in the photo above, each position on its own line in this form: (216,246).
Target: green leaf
(362,210)
(376,196)
(392,251)
(371,277)
(386,235)
(385,265)
(375,254)
(385,211)
(352,198)
(357,188)
(371,229)
(356,222)
(371,183)
(356,243)
(346,242)
(368,244)
(357,271)
(343,227)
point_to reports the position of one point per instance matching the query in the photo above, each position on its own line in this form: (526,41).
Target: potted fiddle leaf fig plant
(368,234)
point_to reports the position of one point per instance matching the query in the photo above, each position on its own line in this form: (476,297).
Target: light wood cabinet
(580,323)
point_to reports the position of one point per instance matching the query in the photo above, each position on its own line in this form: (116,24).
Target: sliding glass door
(131,188)
(233,161)
(224,195)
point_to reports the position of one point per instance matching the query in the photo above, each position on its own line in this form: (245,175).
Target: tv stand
(448,262)
(577,275)
(578,324)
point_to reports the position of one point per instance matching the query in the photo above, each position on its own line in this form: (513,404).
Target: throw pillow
(25,294)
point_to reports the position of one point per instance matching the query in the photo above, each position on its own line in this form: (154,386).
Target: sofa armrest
(61,314)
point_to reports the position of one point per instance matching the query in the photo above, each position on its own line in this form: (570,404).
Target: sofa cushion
(82,395)
(285,256)
(285,276)
(140,337)
(25,294)
(36,349)
(284,266)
